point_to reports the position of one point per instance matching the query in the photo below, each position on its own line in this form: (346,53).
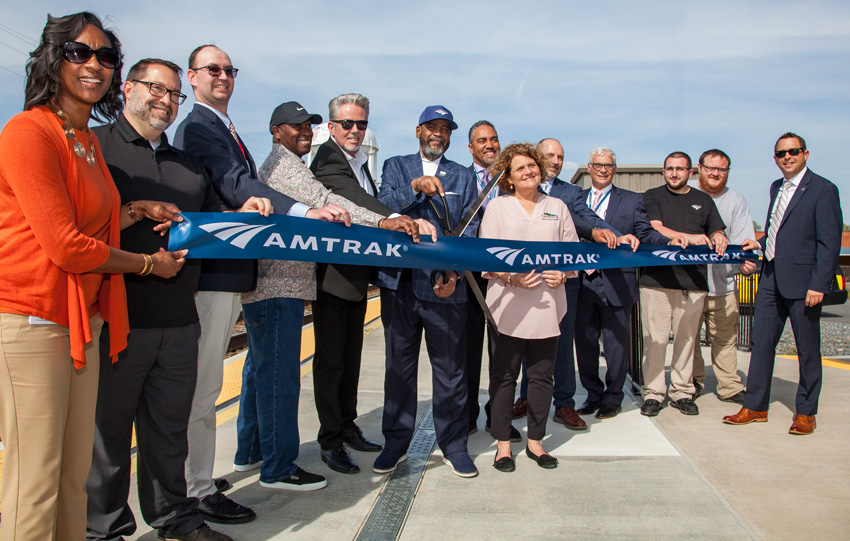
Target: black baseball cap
(292,112)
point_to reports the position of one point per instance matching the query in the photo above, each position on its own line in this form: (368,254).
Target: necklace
(79,149)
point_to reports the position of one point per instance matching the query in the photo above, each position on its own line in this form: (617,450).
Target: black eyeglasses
(215,71)
(601,166)
(80,53)
(348,124)
(158,91)
(791,151)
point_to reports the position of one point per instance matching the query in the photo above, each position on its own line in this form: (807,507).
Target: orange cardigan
(44,253)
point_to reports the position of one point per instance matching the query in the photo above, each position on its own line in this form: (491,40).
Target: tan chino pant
(721,315)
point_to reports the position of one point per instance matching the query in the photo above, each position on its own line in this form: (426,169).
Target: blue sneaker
(387,461)
(461,464)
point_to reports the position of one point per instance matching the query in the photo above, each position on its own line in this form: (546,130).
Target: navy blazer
(584,219)
(809,238)
(626,213)
(460,189)
(332,169)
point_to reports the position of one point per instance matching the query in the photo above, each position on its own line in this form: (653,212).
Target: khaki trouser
(663,310)
(721,315)
(47,422)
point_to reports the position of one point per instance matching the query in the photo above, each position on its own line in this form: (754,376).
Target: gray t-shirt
(735,212)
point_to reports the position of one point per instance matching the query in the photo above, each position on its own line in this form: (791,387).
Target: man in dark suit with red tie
(801,248)
(606,298)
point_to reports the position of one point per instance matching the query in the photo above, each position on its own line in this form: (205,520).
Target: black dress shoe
(339,460)
(588,408)
(505,464)
(221,484)
(515,435)
(545,460)
(219,508)
(353,437)
(608,411)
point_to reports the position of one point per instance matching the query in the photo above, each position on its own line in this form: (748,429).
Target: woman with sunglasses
(527,307)
(60,218)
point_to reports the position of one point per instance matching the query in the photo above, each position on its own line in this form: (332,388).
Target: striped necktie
(776,219)
(238,142)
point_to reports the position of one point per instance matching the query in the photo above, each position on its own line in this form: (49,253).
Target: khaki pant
(663,310)
(47,421)
(721,315)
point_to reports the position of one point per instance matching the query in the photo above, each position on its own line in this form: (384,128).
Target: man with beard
(153,381)
(484,147)
(411,304)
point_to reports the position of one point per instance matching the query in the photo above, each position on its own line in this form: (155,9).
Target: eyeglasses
(80,53)
(676,169)
(215,71)
(709,169)
(348,124)
(791,151)
(603,166)
(158,91)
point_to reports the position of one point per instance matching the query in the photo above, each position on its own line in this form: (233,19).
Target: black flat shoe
(545,460)
(505,464)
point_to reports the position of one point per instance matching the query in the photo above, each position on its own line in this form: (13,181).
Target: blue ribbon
(251,236)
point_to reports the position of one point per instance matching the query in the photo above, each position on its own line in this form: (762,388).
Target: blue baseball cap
(437,112)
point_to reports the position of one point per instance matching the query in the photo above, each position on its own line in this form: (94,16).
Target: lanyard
(604,197)
(482,185)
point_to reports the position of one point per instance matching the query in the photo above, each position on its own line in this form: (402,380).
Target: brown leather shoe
(567,416)
(803,425)
(520,408)
(746,416)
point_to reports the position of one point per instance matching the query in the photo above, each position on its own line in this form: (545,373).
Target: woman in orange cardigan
(61,278)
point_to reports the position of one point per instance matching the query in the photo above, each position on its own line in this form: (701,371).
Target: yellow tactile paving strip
(232,385)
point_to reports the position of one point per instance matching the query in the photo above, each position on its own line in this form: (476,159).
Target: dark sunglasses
(215,71)
(791,151)
(348,124)
(80,53)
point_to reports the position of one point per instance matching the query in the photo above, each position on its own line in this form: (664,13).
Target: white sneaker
(247,467)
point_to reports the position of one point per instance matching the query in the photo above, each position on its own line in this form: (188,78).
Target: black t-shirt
(693,212)
(165,174)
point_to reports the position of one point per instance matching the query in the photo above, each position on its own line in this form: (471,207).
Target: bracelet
(511,280)
(148,265)
(132,212)
(380,222)
(418,180)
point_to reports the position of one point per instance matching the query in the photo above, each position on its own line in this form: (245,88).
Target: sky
(643,78)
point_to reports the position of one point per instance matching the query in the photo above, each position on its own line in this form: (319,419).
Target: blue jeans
(267,426)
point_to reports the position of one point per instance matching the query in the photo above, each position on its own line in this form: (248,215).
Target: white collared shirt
(356,163)
(223,117)
(547,185)
(795,183)
(603,203)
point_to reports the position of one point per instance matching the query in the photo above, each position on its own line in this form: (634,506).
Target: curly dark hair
(43,66)
(507,156)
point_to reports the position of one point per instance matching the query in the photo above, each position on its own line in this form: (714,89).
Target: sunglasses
(215,71)
(348,124)
(791,151)
(80,53)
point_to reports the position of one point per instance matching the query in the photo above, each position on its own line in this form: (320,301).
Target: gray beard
(431,154)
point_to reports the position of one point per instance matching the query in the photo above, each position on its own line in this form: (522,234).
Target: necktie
(483,179)
(595,203)
(544,187)
(238,142)
(776,219)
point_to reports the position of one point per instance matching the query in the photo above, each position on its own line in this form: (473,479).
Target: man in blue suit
(411,304)
(589,227)
(800,254)
(606,297)
(209,136)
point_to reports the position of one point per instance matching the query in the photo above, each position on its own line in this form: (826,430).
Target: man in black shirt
(154,378)
(672,297)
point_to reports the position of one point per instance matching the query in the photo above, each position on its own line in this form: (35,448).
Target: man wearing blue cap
(411,304)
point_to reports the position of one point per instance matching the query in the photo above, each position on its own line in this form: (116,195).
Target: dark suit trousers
(565,366)
(405,317)
(508,354)
(599,317)
(338,324)
(771,312)
(152,383)
(475,323)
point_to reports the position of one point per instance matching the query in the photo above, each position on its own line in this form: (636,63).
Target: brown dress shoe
(567,416)
(803,425)
(746,416)
(520,408)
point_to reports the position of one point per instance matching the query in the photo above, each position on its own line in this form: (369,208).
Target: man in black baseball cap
(292,126)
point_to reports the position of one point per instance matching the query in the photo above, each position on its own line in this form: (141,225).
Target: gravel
(834,336)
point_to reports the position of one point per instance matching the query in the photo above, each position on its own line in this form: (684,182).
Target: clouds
(641,78)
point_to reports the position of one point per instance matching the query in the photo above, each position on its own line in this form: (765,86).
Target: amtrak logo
(244,233)
(508,255)
(666,254)
(696,207)
(441,111)
(697,258)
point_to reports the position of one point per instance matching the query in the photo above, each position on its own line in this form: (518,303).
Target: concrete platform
(670,477)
